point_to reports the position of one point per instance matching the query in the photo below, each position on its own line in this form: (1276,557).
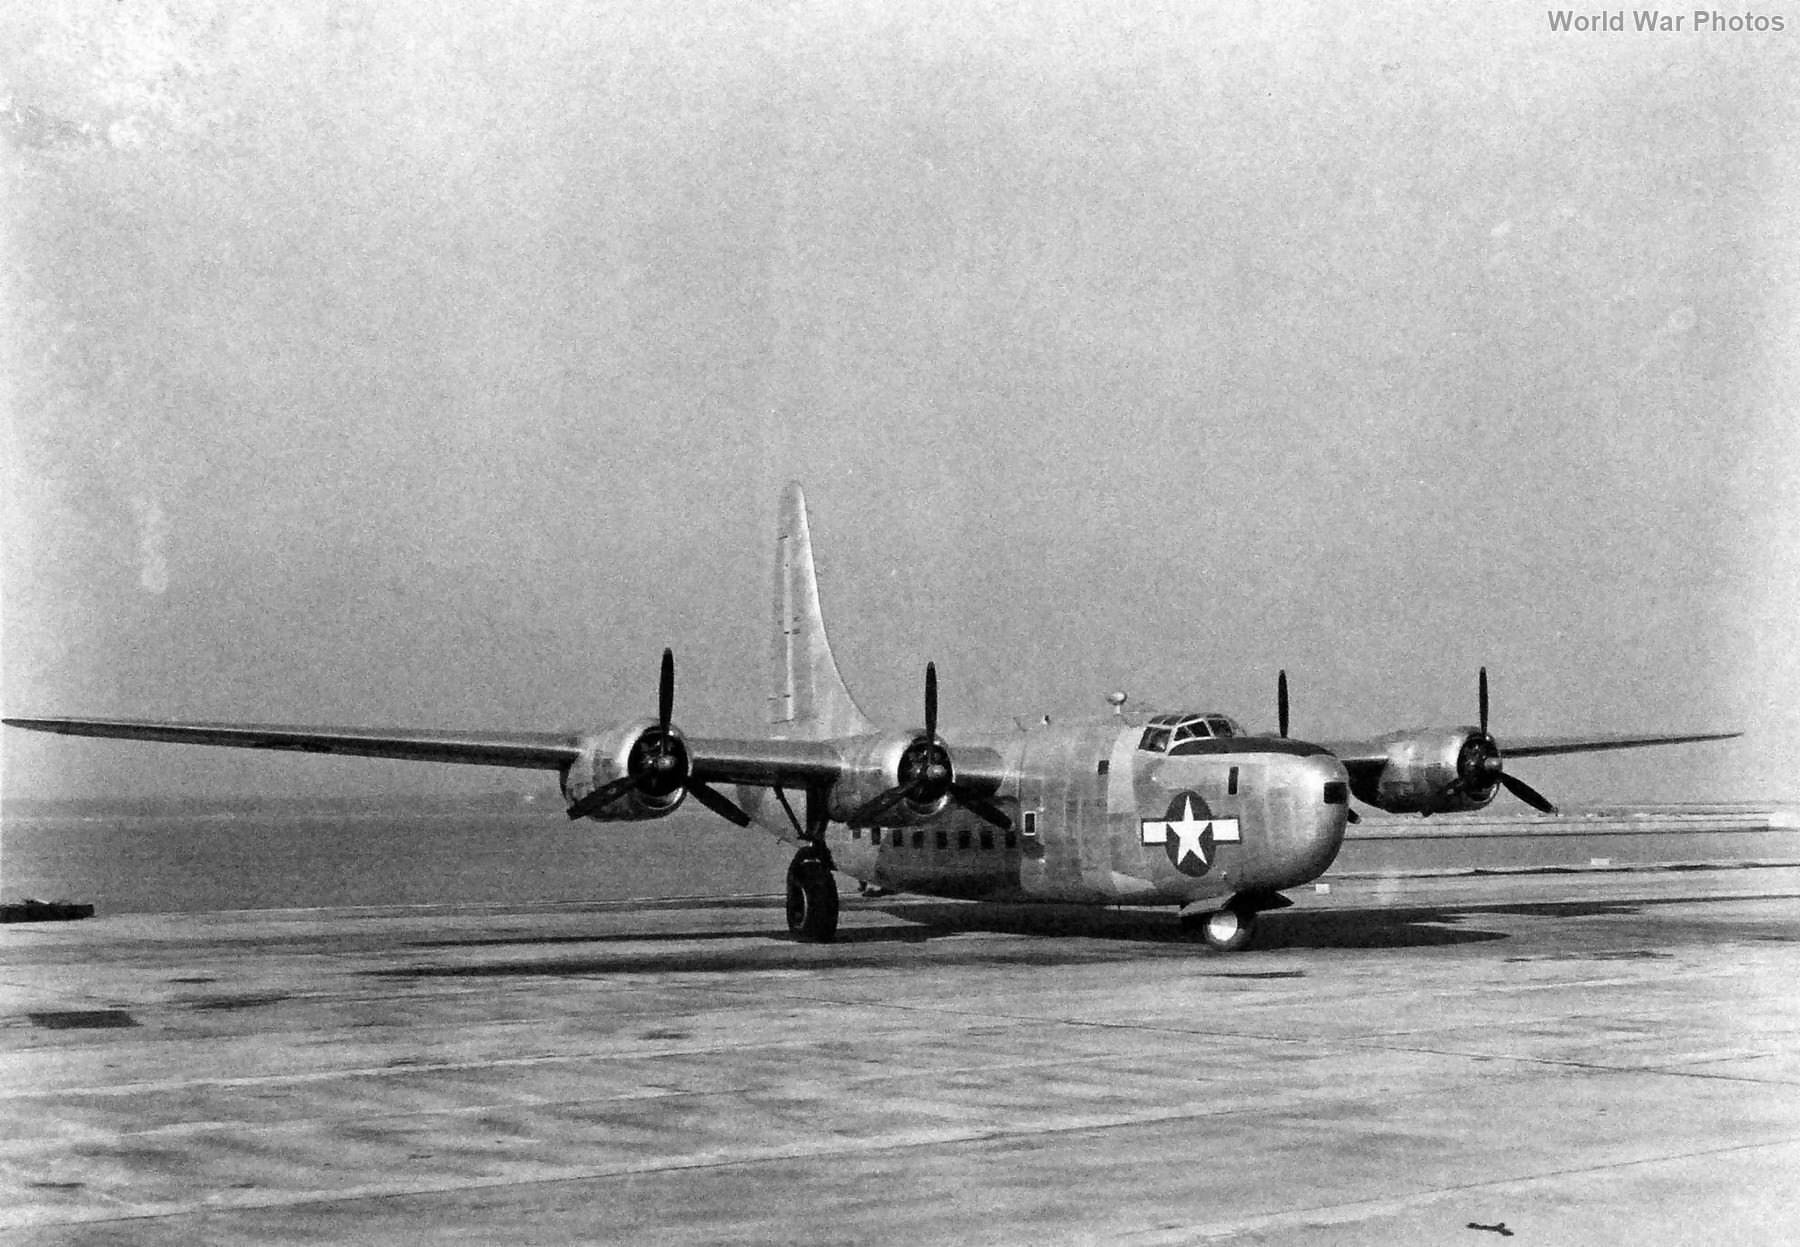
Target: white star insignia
(1194,836)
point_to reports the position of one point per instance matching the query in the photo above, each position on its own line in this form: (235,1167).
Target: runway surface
(1604,1056)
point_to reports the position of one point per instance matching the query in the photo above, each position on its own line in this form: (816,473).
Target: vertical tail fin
(807,697)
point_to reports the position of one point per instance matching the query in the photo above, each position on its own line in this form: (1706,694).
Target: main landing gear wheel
(812,900)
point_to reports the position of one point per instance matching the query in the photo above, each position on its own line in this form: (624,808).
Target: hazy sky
(424,364)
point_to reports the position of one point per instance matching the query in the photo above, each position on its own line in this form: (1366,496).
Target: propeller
(927,775)
(1479,764)
(658,764)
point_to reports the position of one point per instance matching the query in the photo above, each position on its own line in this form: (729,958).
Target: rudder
(807,695)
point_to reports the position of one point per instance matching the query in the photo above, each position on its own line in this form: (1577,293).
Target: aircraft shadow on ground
(1060,935)
(1338,928)
(1408,926)
(867,948)
(598,937)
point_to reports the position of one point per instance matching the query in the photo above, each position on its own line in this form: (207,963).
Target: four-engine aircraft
(1171,809)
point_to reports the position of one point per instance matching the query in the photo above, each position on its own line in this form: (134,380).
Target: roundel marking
(1188,835)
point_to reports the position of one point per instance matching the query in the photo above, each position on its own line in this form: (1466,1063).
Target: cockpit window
(1167,732)
(1192,729)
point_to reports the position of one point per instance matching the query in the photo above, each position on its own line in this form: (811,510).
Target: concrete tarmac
(1607,1056)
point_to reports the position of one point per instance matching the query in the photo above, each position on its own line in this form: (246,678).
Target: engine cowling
(1431,771)
(655,755)
(877,765)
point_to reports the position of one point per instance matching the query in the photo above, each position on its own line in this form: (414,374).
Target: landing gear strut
(812,897)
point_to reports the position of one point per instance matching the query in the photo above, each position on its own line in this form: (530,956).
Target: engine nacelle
(872,767)
(608,756)
(1430,771)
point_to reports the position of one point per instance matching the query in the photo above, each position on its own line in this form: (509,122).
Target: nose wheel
(1233,927)
(812,898)
(1227,930)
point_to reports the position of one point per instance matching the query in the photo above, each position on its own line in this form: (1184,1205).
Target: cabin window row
(896,837)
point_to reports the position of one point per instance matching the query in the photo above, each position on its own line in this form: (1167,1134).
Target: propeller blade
(1526,793)
(871,811)
(984,809)
(1281,702)
(601,797)
(931,699)
(1482,697)
(718,803)
(665,690)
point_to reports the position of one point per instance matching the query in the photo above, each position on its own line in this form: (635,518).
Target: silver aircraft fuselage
(1101,820)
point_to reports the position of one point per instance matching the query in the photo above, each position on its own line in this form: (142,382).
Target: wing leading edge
(533,750)
(1354,753)
(1546,746)
(761,763)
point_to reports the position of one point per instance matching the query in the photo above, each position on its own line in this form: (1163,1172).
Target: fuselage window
(943,838)
(919,839)
(1231,782)
(962,838)
(1012,838)
(987,837)
(1031,822)
(874,834)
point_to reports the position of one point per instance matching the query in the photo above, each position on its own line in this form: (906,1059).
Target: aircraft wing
(1544,746)
(764,763)
(534,750)
(1442,770)
(1362,753)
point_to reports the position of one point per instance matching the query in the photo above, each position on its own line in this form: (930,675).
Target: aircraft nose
(1310,804)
